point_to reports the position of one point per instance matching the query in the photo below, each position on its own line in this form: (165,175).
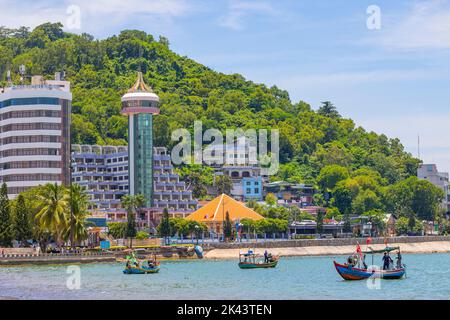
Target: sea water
(428,277)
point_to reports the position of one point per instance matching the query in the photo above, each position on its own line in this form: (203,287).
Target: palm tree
(77,211)
(53,203)
(132,204)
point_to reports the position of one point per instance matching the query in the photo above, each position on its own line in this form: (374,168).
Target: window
(29,101)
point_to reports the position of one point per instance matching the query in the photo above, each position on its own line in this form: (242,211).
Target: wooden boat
(349,271)
(140,270)
(250,260)
(136,266)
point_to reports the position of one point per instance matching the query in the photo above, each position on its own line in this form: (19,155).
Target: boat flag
(369,240)
(385,242)
(358,250)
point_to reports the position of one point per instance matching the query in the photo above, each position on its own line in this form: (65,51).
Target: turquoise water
(428,277)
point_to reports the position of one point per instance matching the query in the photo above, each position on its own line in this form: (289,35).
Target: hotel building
(35,134)
(103,172)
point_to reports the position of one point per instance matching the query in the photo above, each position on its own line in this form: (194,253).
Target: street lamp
(197,232)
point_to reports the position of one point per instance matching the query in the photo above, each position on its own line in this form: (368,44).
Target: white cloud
(427,26)
(237,12)
(98,13)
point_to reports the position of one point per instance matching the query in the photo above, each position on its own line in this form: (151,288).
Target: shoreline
(424,247)
(417,247)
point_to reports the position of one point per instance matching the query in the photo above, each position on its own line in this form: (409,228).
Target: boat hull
(247,265)
(141,270)
(351,273)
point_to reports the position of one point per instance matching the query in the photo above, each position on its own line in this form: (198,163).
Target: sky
(385,64)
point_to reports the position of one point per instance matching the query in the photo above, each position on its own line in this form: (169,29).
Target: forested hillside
(102,70)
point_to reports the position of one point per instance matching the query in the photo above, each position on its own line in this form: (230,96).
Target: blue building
(252,188)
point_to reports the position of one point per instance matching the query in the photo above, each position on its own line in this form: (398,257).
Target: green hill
(102,70)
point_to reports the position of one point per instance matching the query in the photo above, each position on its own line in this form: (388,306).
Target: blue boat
(199,252)
(349,271)
(140,270)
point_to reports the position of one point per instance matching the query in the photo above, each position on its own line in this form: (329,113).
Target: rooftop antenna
(418,146)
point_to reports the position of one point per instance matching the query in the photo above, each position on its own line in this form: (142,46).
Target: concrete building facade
(35,134)
(430,173)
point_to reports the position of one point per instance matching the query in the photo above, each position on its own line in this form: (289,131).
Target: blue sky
(393,80)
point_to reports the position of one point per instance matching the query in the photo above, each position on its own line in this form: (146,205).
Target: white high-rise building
(430,173)
(35,134)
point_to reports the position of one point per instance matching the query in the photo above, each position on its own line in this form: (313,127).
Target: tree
(22,226)
(6,232)
(343,198)
(271,199)
(197,178)
(164,229)
(77,212)
(347,223)
(426,200)
(117,229)
(227,226)
(132,204)
(328,110)
(53,203)
(366,200)
(330,175)
(319,221)
(130,231)
(224,184)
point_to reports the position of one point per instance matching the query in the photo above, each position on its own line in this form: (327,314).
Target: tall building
(35,134)
(140,104)
(430,173)
(103,172)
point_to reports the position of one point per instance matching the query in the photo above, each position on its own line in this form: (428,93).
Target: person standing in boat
(386,261)
(399,260)
(266,257)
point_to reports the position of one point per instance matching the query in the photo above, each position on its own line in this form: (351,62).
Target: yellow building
(214,213)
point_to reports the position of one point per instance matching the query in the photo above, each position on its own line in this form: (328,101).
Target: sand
(418,247)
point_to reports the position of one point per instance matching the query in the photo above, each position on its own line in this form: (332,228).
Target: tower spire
(140,85)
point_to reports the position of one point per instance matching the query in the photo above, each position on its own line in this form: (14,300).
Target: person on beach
(386,261)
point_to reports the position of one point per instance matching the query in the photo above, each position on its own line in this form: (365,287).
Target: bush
(142,235)
(117,229)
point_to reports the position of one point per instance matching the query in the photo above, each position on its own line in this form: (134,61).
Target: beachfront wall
(322,242)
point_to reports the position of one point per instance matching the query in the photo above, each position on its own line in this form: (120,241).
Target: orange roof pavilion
(216,210)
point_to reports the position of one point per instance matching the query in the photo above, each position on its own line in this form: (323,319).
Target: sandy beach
(418,247)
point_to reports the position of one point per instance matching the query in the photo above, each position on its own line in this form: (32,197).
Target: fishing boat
(140,270)
(136,266)
(356,268)
(250,260)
